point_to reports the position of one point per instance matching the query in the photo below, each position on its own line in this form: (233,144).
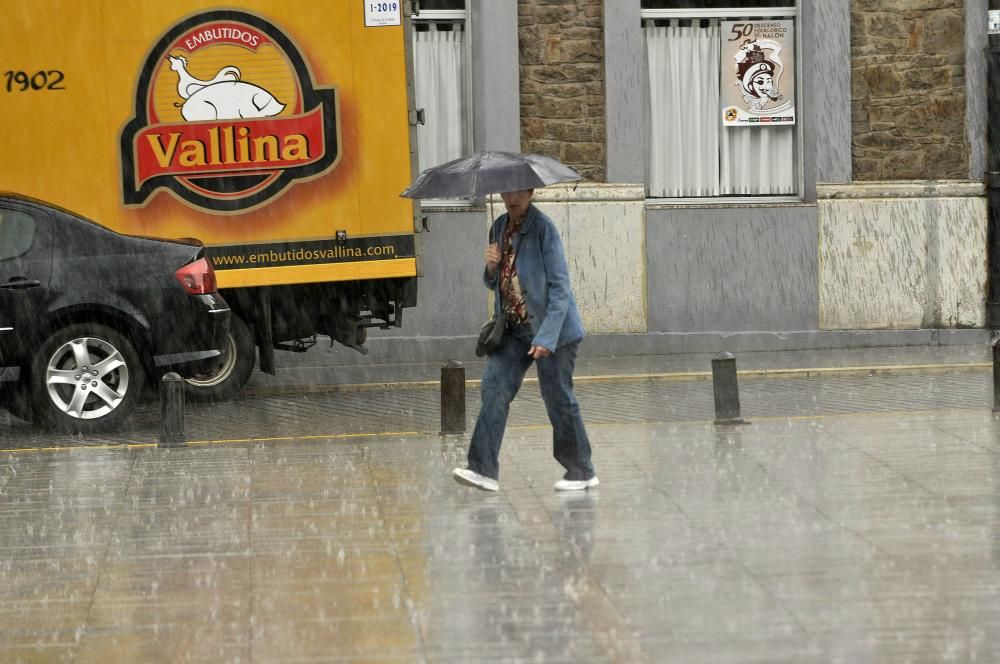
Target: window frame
(794,13)
(427,16)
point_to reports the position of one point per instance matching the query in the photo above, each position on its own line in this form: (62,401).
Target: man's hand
(492,257)
(538,352)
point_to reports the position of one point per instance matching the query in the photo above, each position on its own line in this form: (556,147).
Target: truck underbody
(289,317)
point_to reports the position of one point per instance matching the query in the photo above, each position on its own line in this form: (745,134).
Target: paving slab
(844,537)
(857,518)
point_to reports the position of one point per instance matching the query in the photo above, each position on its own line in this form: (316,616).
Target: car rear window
(17,233)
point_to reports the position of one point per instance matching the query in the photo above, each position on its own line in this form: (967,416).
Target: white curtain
(439,64)
(690,153)
(758,161)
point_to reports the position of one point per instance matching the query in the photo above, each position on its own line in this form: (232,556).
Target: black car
(90,317)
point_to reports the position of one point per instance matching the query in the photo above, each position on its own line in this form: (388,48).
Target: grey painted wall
(496,77)
(451,300)
(975,85)
(828,87)
(740,269)
(624,68)
(732,269)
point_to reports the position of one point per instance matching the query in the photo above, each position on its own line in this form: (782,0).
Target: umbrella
(489,172)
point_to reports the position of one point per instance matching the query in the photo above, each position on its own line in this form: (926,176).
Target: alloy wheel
(87,378)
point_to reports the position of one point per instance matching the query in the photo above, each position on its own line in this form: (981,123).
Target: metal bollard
(172,411)
(453,397)
(726,389)
(996,376)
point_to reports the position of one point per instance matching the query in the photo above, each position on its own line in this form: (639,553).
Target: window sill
(457,205)
(717,203)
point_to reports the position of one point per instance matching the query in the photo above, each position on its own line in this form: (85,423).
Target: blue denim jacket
(544,278)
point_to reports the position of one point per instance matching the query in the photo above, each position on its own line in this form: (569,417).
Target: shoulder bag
(491,333)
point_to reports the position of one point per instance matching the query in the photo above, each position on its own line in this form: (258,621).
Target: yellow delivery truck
(277,133)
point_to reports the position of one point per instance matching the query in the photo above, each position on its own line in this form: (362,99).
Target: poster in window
(758,73)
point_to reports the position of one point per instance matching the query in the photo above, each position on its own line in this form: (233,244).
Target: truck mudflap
(263,331)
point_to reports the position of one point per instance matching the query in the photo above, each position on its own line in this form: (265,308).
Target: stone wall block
(581,50)
(882,81)
(939,34)
(585,154)
(881,140)
(577,91)
(553,49)
(590,34)
(549,107)
(903,165)
(534,126)
(914,260)
(541,146)
(568,73)
(904,6)
(940,114)
(915,38)
(887,26)
(562,82)
(574,131)
(908,91)
(546,15)
(948,159)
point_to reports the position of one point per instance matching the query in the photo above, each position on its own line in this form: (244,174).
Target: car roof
(49,206)
(191,241)
(37,201)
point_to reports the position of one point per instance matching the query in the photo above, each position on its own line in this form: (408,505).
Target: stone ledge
(902,189)
(586,192)
(722,203)
(403,350)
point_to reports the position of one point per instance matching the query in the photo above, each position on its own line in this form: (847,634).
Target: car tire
(237,363)
(116,379)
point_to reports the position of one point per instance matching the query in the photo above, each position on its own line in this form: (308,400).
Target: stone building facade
(908,89)
(562,82)
(908,86)
(883,243)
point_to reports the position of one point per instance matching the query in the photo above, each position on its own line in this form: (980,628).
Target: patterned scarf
(511,298)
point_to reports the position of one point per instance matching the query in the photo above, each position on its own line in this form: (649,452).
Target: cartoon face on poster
(758,73)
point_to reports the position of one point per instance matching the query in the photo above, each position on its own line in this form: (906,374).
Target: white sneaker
(577,485)
(472,478)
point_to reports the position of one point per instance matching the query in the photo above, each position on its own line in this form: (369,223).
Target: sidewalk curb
(678,376)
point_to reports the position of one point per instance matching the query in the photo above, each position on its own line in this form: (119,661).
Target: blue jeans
(504,373)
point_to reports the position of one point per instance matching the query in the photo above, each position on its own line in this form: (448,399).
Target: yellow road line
(279,439)
(805,372)
(221,441)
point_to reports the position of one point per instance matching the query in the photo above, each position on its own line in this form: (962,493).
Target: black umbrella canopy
(489,172)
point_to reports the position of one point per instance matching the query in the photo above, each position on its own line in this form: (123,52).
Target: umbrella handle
(492,220)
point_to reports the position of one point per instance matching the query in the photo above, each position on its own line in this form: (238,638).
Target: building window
(722,117)
(441,86)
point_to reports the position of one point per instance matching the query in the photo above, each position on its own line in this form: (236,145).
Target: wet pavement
(857,519)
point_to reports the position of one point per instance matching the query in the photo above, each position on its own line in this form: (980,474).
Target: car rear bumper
(195,345)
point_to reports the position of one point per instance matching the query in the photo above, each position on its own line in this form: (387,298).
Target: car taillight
(198,278)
